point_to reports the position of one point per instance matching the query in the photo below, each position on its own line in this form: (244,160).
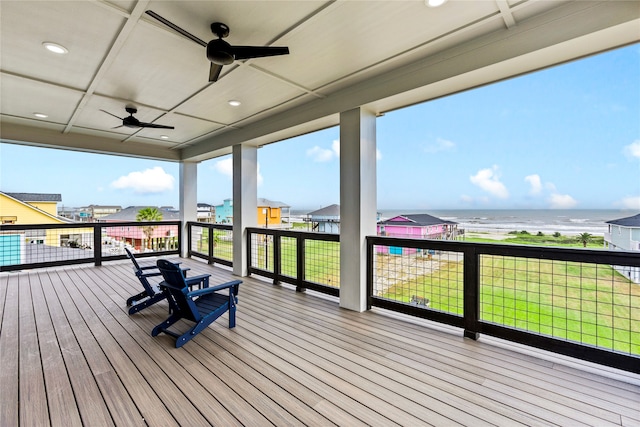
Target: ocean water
(547,221)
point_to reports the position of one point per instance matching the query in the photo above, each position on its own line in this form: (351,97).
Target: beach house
(624,235)
(139,238)
(325,220)
(415,226)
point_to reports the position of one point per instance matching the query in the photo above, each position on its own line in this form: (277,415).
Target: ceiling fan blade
(112,114)
(154,126)
(176,28)
(246,52)
(214,72)
(117,127)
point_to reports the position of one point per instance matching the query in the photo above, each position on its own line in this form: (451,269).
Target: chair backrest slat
(175,284)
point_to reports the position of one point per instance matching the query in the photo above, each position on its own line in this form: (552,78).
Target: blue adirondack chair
(151,293)
(202,306)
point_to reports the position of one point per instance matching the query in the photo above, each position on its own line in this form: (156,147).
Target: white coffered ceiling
(381,55)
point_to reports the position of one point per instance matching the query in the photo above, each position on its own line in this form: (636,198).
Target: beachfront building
(224,212)
(624,235)
(418,226)
(325,220)
(206,212)
(271,213)
(141,238)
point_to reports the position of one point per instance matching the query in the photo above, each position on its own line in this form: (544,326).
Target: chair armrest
(148,267)
(203,291)
(195,280)
(150,274)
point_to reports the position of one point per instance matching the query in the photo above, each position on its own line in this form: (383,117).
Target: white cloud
(633,150)
(378,154)
(535,182)
(631,202)
(441,144)
(562,201)
(320,155)
(154,180)
(489,181)
(225,167)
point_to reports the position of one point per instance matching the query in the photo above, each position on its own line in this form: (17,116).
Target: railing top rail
(18,227)
(331,237)
(210,225)
(597,256)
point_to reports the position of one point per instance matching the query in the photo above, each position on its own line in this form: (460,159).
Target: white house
(624,235)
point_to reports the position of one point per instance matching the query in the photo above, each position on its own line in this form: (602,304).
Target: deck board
(71,355)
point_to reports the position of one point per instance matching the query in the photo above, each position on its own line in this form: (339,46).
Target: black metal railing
(30,246)
(576,302)
(213,242)
(306,260)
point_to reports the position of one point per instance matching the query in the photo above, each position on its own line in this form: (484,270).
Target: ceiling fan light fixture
(40,115)
(435,3)
(55,48)
(234,103)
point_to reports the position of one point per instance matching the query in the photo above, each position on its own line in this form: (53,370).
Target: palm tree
(584,238)
(148,214)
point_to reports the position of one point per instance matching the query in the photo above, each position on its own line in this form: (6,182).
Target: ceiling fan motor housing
(219,52)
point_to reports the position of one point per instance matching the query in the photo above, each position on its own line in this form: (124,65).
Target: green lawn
(587,303)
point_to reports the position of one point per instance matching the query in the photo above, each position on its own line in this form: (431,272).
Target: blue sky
(566,137)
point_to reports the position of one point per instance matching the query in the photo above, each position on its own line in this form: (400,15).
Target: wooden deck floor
(70,355)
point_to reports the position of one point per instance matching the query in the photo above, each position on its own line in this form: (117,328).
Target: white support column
(188,200)
(245,203)
(358,203)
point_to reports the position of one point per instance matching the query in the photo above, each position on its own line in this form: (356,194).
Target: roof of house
(36,197)
(15,196)
(130,213)
(420,220)
(331,210)
(271,203)
(630,221)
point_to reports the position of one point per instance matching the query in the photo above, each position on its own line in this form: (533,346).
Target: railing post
(276,258)
(189,227)
(370,270)
(471,288)
(97,245)
(211,244)
(300,263)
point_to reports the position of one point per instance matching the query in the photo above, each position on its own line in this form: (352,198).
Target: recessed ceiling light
(40,115)
(234,103)
(435,3)
(55,48)
(164,137)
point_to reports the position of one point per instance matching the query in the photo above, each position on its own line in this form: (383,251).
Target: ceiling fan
(219,52)
(132,122)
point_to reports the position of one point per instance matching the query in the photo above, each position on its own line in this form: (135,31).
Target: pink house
(418,226)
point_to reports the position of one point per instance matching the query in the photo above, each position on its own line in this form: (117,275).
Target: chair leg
(137,297)
(232,316)
(162,327)
(146,303)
